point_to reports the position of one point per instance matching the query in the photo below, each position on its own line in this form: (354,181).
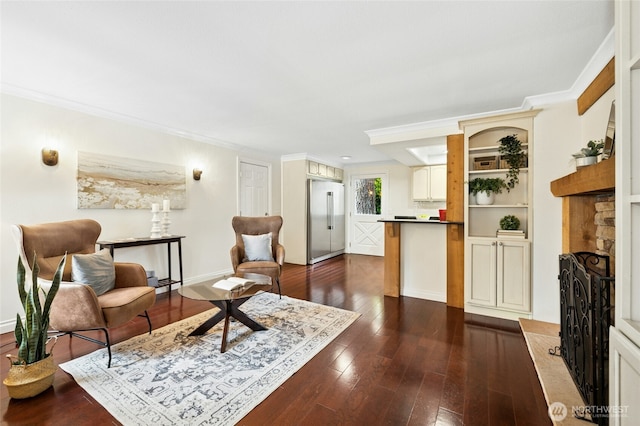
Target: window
(368,196)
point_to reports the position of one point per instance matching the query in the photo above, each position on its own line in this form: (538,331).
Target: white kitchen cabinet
(322,170)
(499,277)
(429,183)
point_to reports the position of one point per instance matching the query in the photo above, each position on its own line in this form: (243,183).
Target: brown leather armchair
(244,225)
(76,306)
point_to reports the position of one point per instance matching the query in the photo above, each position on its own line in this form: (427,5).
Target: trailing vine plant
(510,149)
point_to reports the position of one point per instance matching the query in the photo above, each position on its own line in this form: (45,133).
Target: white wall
(558,132)
(34,193)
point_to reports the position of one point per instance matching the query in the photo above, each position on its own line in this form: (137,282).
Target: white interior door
(367,199)
(253,189)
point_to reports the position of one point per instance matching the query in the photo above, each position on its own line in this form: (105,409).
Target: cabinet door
(513,280)
(438,182)
(482,277)
(420,184)
(312,168)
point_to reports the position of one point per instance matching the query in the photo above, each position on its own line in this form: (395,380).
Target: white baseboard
(422,294)
(7,326)
(495,312)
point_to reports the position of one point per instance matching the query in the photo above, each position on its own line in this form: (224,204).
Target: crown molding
(293,157)
(57,101)
(448,126)
(305,156)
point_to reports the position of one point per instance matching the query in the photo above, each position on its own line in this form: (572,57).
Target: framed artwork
(109,182)
(610,135)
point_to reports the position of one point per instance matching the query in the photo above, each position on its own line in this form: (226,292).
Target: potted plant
(510,150)
(33,370)
(509,223)
(589,154)
(484,189)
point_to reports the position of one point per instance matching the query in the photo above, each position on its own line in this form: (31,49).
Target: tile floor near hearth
(556,381)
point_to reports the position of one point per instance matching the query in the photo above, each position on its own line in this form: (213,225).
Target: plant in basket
(33,369)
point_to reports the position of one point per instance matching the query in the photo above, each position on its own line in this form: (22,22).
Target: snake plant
(32,334)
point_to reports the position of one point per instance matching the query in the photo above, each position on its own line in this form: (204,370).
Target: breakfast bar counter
(416,257)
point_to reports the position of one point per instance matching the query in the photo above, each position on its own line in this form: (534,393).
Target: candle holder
(165,223)
(155,221)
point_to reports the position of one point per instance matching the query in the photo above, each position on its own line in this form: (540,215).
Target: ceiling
(296,77)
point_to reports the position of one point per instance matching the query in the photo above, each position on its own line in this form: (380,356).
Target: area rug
(169,378)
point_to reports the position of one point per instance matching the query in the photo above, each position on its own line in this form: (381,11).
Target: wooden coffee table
(228,302)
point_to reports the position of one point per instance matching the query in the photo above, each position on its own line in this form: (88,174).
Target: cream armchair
(244,259)
(77,307)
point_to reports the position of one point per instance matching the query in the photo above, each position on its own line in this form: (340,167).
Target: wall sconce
(196,174)
(49,156)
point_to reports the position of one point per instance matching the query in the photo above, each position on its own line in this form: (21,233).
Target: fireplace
(585,316)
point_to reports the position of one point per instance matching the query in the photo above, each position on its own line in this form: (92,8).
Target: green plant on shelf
(510,149)
(593,149)
(489,185)
(510,222)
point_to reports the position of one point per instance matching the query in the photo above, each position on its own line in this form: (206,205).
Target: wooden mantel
(598,178)
(578,191)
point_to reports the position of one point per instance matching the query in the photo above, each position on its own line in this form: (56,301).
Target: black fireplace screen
(585,317)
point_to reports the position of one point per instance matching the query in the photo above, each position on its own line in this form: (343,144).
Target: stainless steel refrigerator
(325,216)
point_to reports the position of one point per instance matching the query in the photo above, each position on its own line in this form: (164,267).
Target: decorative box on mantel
(579,191)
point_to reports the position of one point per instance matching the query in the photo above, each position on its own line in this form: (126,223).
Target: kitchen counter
(435,221)
(416,257)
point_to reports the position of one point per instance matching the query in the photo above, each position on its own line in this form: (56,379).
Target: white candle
(166,205)
(155,207)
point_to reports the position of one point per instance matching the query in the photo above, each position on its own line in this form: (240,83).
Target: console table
(146,241)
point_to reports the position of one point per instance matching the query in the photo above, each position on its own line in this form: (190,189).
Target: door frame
(255,162)
(349,200)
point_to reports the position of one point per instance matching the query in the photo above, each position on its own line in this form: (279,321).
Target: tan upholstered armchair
(76,307)
(249,259)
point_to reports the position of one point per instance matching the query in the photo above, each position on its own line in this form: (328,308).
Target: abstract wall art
(108,182)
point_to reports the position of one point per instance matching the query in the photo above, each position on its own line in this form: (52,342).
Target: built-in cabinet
(501,274)
(624,339)
(429,183)
(497,268)
(315,169)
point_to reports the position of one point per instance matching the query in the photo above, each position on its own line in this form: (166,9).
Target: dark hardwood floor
(405,361)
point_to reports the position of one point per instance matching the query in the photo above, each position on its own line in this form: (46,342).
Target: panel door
(254,190)
(513,275)
(482,279)
(367,202)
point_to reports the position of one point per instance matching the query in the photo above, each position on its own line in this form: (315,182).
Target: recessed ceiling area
(296,77)
(430,154)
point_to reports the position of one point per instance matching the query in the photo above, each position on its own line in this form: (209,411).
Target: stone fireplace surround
(605,221)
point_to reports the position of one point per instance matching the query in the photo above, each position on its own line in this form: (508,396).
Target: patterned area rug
(169,378)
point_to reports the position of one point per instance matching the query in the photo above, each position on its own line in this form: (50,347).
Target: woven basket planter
(27,380)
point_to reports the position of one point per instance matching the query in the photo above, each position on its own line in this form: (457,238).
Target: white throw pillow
(257,247)
(95,270)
